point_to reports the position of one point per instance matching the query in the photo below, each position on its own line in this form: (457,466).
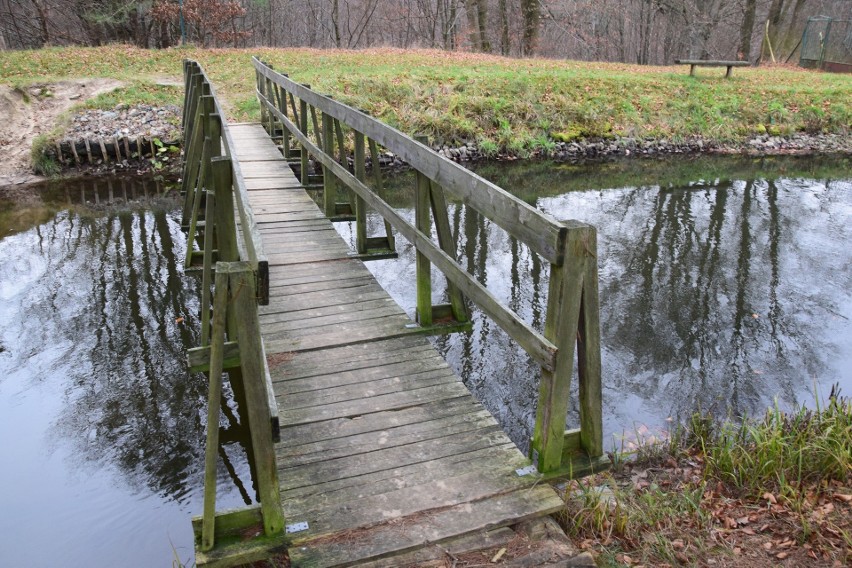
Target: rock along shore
(139,138)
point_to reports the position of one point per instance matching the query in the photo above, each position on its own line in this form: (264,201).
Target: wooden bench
(708,63)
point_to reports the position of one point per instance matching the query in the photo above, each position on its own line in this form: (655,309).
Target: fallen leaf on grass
(843,497)
(769,497)
(730,523)
(782,555)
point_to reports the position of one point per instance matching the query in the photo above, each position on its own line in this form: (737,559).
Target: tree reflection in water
(97,309)
(721,294)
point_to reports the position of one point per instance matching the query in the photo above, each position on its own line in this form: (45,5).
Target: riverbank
(475,106)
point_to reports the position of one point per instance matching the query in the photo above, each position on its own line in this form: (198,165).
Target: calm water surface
(101,427)
(724,283)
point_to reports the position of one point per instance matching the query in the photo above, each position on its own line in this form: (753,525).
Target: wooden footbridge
(365,445)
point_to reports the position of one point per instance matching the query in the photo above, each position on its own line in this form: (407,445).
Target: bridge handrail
(234,265)
(571,247)
(251,245)
(538,230)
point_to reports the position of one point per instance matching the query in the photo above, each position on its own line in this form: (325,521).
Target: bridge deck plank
(383,450)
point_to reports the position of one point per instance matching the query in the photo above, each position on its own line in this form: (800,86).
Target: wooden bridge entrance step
(383,450)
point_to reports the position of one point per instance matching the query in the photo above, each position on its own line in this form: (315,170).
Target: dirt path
(34,111)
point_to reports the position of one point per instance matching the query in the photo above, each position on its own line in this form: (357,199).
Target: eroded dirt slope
(33,111)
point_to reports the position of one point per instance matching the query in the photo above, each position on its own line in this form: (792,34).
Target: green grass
(516,104)
(42,163)
(787,472)
(783,452)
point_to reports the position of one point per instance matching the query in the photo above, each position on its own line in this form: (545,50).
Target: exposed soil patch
(32,111)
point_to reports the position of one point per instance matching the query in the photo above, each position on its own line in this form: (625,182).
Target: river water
(101,426)
(724,284)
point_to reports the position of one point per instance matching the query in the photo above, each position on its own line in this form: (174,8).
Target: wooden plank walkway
(383,450)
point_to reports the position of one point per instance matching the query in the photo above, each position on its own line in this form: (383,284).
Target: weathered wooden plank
(300,364)
(288,290)
(282,183)
(390,458)
(403,367)
(342,334)
(338,432)
(288,318)
(346,267)
(432,527)
(361,390)
(401,475)
(371,291)
(400,436)
(480,482)
(362,317)
(436,554)
(375,403)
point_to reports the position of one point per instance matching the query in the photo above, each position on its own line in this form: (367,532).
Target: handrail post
(329,196)
(589,353)
(226,227)
(572,319)
(211,452)
(360,204)
(422,265)
(303,126)
(260,85)
(253,364)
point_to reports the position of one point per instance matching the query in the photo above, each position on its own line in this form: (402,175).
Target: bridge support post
(252,364)
(329,193)
(573,320)
(303,126)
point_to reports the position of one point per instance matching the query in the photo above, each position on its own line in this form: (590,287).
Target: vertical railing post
(572,317)
(589,352)
(253,365)
(207,267)
(211,452)
(423,267)
(329,197)
(380,189)
(260,85)
(208,128)
(360,204)
(303,126)
(226,227)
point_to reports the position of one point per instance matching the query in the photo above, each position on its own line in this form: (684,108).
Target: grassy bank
(518,105)
(775,491)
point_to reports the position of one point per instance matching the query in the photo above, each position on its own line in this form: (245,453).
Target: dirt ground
(35,110)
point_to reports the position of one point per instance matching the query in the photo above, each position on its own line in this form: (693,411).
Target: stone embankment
(135,138)
(799,143)
(120,137)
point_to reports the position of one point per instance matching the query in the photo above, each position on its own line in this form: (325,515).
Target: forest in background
(652,32)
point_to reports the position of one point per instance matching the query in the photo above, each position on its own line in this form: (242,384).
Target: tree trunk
(472,24)
(482,19)
(746,30)
(504,27)
(531,11)
(335,22)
